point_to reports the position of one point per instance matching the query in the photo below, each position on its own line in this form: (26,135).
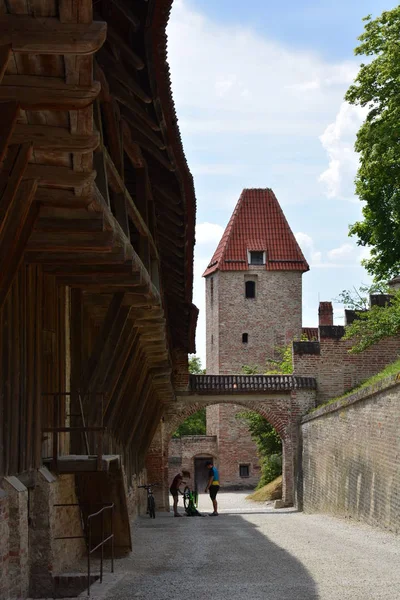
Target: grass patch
(391,369)
(271,491)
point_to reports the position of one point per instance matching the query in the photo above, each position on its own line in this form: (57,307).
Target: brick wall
(4,544)
(183,451)
(351,453)
(18,568)
(271,319)
(335,369)
(235,446)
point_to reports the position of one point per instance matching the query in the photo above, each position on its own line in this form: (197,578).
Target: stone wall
(335,370)
(183,451)
(271,319)
(351,453)
(4,545)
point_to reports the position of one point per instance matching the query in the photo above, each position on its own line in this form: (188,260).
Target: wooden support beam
(32,92)
(15,234)
(61,198)
(59,176)
(116,71)
(48,35)
(115,256)
(144,129)
(55,139)
(9,113)
(13,180)
(146,144)
(72,243)
(89,370)
(123,96)
(121,212)
(5,52)
(126,12)
(122,48)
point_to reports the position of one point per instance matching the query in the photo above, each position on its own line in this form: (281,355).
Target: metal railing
(88,538)
(219,384)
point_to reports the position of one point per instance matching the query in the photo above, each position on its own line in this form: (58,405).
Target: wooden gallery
(97,213)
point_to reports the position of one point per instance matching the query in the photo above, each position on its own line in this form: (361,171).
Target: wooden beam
(121,47)
(61,198)
(123,96)
(85,257)
(72,243)
(59,176)
(13,181)
(148,145)
(49,36)
(32,92)
(15,234)
(5,52)
(144,129)
(55,139)
(115,70)
(9,113)
(126,12)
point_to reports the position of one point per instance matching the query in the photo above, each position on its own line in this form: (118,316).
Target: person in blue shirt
(213,486)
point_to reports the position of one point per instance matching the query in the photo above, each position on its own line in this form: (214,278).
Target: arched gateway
(281,399)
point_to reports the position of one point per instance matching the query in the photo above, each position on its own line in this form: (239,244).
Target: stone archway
(283,410)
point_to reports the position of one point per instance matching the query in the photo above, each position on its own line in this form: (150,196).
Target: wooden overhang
(95,189)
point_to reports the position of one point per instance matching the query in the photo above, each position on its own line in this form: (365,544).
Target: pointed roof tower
(257,225)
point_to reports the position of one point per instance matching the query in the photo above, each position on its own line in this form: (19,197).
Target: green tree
(269,445)
(377,87)
(195,424)
(358,299)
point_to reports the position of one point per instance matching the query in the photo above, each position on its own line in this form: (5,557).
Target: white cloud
(338,141)
(306,243)
(208,232)
(231,79)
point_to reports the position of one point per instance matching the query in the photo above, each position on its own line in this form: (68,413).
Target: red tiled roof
(257,223)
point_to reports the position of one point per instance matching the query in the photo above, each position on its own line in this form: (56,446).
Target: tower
(253,286)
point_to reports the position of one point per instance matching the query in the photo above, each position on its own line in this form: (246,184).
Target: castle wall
(271,319)
(335,370)
(351,455)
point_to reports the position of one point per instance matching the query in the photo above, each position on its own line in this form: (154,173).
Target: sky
(259,93)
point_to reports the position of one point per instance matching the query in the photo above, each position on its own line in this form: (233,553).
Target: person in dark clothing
(174,489)
(213,486)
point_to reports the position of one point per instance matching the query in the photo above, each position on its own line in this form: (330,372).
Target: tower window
(257,257)
(245,338)
(250,287)
(244,470)
(212,290)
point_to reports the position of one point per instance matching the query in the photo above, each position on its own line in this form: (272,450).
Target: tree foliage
(375,324)
(377,87)
(195,424)
(358,299)
(269,445)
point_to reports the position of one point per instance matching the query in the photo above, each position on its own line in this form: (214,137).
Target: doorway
(200,472)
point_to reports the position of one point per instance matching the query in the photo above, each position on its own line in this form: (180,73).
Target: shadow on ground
(221,558)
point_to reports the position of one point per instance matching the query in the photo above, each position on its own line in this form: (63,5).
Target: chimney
(325,313)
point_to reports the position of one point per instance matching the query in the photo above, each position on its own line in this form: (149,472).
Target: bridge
(281,399)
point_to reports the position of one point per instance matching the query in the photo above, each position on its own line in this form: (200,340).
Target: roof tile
(257,223)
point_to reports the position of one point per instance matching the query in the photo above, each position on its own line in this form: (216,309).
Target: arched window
(250,289)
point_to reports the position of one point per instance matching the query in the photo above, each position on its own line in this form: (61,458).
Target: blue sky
(259,88)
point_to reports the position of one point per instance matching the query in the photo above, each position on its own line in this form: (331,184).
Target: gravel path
(253,552)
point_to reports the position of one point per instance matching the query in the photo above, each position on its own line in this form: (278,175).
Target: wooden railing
(239,384)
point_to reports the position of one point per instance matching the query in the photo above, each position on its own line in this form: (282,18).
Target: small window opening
(245,338)
(250,289)
(212,339)
(212,290)
(244,470)
(257,257)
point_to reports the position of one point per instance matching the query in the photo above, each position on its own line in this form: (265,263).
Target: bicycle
(190,501)
(151,504)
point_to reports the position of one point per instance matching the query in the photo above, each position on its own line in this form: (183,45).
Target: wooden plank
(58,176)
(144,129)
(61,198)
(72,243)
(9,114)
(14,179)
(115,256)
(15,235)
(49,36)
(115,70)
(134,135)
(123,96)
(121,212)
(5,52)
(47,93)
(55,139)
(121,47)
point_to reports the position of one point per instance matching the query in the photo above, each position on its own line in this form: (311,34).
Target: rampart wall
(351,452)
